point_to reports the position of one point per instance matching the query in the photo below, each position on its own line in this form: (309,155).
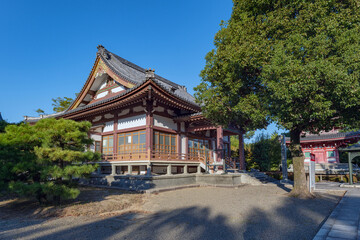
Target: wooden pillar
(219,143)
(241,151)
(149,129)
(178,141)
(115,139)
(186,144)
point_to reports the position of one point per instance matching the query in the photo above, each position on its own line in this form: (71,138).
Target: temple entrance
(320,157)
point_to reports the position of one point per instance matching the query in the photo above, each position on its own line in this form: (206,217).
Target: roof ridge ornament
(150,74)
(103,52)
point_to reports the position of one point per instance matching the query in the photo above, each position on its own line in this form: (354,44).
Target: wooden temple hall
(145,124)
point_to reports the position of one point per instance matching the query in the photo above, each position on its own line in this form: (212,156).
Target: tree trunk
(242,164)
(300,188)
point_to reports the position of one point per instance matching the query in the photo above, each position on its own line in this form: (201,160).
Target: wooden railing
(158,155)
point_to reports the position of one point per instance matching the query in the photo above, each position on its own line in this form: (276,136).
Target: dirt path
(91,202)
(249,212)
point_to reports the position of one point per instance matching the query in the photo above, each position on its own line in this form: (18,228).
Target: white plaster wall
(95,137)
(103,84)
(103,94)
(214,147)
(109,126)
(130,122)
(183,144)
(164,122)
(117,89)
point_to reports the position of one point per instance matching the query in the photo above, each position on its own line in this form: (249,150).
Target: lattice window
(132,142)
(108,144)
(164,142)
(198,147)
(97,146)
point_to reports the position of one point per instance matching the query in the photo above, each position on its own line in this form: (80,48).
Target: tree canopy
(61,104)
(42,160)
(299,60)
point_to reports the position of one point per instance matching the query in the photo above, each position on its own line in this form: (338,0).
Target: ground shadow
(14,207)
(185,223)
(292,219)
(295,219)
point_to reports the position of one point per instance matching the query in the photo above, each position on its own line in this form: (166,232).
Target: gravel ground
(249,212)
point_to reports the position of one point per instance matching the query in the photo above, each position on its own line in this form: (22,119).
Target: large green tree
(266,152)
(42,160)
(300,58)
(3,124)
(61,104)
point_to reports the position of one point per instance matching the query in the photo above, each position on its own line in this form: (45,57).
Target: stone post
(148,170)
(185,169)
(168,172)
(199,169)
(113,169)
(129,169)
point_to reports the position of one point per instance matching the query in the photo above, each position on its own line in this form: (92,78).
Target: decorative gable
(102,83)
(107,88)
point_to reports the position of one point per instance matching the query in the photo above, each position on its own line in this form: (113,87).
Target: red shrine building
(325,145)
(143,123)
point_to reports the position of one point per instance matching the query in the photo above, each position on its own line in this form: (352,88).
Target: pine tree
(43,159)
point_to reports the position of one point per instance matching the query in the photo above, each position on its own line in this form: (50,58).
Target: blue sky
(49,47)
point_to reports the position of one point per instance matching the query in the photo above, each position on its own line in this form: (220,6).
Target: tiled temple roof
(35,119)
(132,73)
(135,74)
(189,115)
(327,136)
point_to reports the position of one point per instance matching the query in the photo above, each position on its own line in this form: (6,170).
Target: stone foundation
(142,183)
